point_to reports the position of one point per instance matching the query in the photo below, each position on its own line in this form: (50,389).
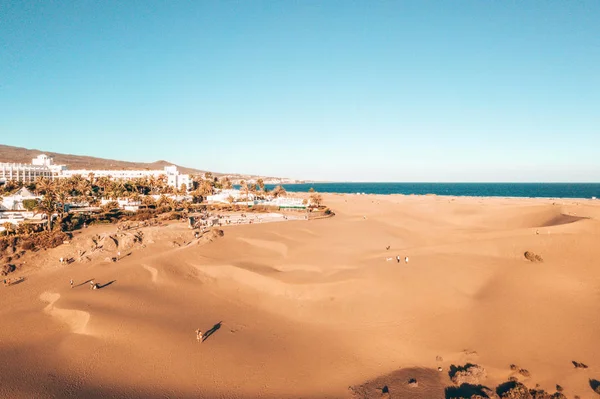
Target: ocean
(530,190)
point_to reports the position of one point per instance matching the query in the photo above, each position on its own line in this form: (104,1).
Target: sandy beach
(315,308)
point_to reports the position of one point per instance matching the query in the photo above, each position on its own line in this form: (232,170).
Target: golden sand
(309,308)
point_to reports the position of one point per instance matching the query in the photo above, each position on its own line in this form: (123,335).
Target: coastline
(478,190)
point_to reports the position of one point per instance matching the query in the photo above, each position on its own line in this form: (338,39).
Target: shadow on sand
(84,283)
(466,391)
(100,286)
(213,330)
(595,385)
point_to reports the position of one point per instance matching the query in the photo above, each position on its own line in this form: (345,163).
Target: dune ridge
(77,320)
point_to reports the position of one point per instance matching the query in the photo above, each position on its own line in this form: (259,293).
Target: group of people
(398,259)
(93,284)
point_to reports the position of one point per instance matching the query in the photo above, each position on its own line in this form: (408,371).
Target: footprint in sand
(77,320)
(153,272)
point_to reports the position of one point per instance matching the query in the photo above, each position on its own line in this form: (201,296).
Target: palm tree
(47,206)
(279,191)
(226,183)
(316,199)
(205,188)
(163,200)
(261,184)
(84,188)
(74,182)
(102,183)
(8,227)
(44,185)
(116,190)
(62,195)
(135,197)
(244,187)
(148,200)
(12,185)
(161,183)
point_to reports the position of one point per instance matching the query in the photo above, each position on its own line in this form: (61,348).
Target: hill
(25,155)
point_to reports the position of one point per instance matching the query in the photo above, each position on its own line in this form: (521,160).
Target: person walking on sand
(118,255)
(398,258)
(71,282)
(92,284)
(199,335)
(406,259)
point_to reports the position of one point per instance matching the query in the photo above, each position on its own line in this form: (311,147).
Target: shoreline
(501,190)
(454,196)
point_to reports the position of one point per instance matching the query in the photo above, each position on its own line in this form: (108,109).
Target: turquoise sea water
(545,190)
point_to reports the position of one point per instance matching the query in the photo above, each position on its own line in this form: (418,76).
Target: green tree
(29,204)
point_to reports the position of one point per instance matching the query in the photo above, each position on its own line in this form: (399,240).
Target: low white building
(12,209)
(286,202)
(239,197)
(14,202)
(224,196)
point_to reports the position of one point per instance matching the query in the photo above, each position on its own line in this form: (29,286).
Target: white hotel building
(43,166)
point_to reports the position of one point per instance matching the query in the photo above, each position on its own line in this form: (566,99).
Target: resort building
(43,166)
(174,178)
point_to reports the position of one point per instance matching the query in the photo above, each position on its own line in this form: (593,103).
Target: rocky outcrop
(467,374)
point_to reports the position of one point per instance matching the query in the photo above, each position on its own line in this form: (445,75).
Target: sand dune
(310,308)
(77,320)
(274,246)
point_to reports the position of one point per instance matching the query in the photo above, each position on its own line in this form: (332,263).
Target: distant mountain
(25,155)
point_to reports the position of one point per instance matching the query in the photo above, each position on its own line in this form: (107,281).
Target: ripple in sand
(153,272)
(77,320)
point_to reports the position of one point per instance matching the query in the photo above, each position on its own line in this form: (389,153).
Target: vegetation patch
(532,257)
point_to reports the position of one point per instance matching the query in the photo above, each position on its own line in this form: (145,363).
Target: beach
(391,288)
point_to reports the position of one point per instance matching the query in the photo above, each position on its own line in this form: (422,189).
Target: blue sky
(325,90)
